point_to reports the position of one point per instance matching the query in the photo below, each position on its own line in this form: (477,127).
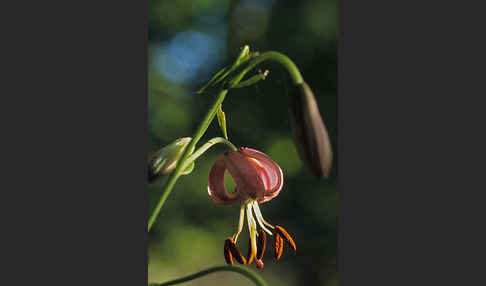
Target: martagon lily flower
(258,179)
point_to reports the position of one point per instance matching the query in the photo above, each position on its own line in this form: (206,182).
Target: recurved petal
(247,176)
(268,196)
(216,188)
(272,176)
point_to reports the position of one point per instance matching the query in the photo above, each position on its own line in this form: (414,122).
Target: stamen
(249,255)
(261,244)
(227,254)
(240,223)
(251,228)
(260,218)
(229,244)
(278,246)
(282,232)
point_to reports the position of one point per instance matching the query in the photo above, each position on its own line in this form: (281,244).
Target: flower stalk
(180,164)
(257,177)
(230,79)
(241,270)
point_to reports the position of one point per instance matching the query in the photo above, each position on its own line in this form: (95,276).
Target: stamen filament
(240,223)
(260,216)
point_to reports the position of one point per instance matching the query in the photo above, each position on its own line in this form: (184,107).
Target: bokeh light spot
(185,56)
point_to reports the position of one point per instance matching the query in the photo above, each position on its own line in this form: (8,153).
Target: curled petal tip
(216,188)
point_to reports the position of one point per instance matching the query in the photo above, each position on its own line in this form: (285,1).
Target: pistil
(251,228)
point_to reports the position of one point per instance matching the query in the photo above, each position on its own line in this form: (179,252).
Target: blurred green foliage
(188,42)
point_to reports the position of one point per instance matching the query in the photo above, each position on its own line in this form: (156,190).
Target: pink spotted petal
(216,188)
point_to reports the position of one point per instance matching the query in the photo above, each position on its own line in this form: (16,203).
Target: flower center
(257,242)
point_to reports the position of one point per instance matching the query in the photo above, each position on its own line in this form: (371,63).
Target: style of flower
(258,179)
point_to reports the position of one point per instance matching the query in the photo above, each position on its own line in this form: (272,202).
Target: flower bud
(164,161)
(310,134)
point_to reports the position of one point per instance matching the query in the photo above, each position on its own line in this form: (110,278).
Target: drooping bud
(164,161)
(309,131)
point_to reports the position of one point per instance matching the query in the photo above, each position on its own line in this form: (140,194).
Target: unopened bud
(164,161)
(309,131)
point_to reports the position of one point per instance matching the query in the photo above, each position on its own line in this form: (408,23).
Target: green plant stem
(289,65)
(180,164)
(242,270)
(205,147)
(250,64)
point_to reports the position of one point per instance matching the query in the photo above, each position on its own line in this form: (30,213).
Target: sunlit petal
(216,188)
(246,175)
(272,174)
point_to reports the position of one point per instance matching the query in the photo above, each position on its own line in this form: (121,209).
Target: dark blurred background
(188,42)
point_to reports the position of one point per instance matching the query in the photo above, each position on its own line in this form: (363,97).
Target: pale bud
(164,161)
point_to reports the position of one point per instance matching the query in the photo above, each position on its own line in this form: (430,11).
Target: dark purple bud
(309,131)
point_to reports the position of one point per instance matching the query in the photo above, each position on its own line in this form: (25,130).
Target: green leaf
(252,80)
(222,121)
(189,169)
(243,56)
(213,79)
(223,73)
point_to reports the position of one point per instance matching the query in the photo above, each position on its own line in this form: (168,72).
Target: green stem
(242,270)
(205,147)
(273,56)
(180,164)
